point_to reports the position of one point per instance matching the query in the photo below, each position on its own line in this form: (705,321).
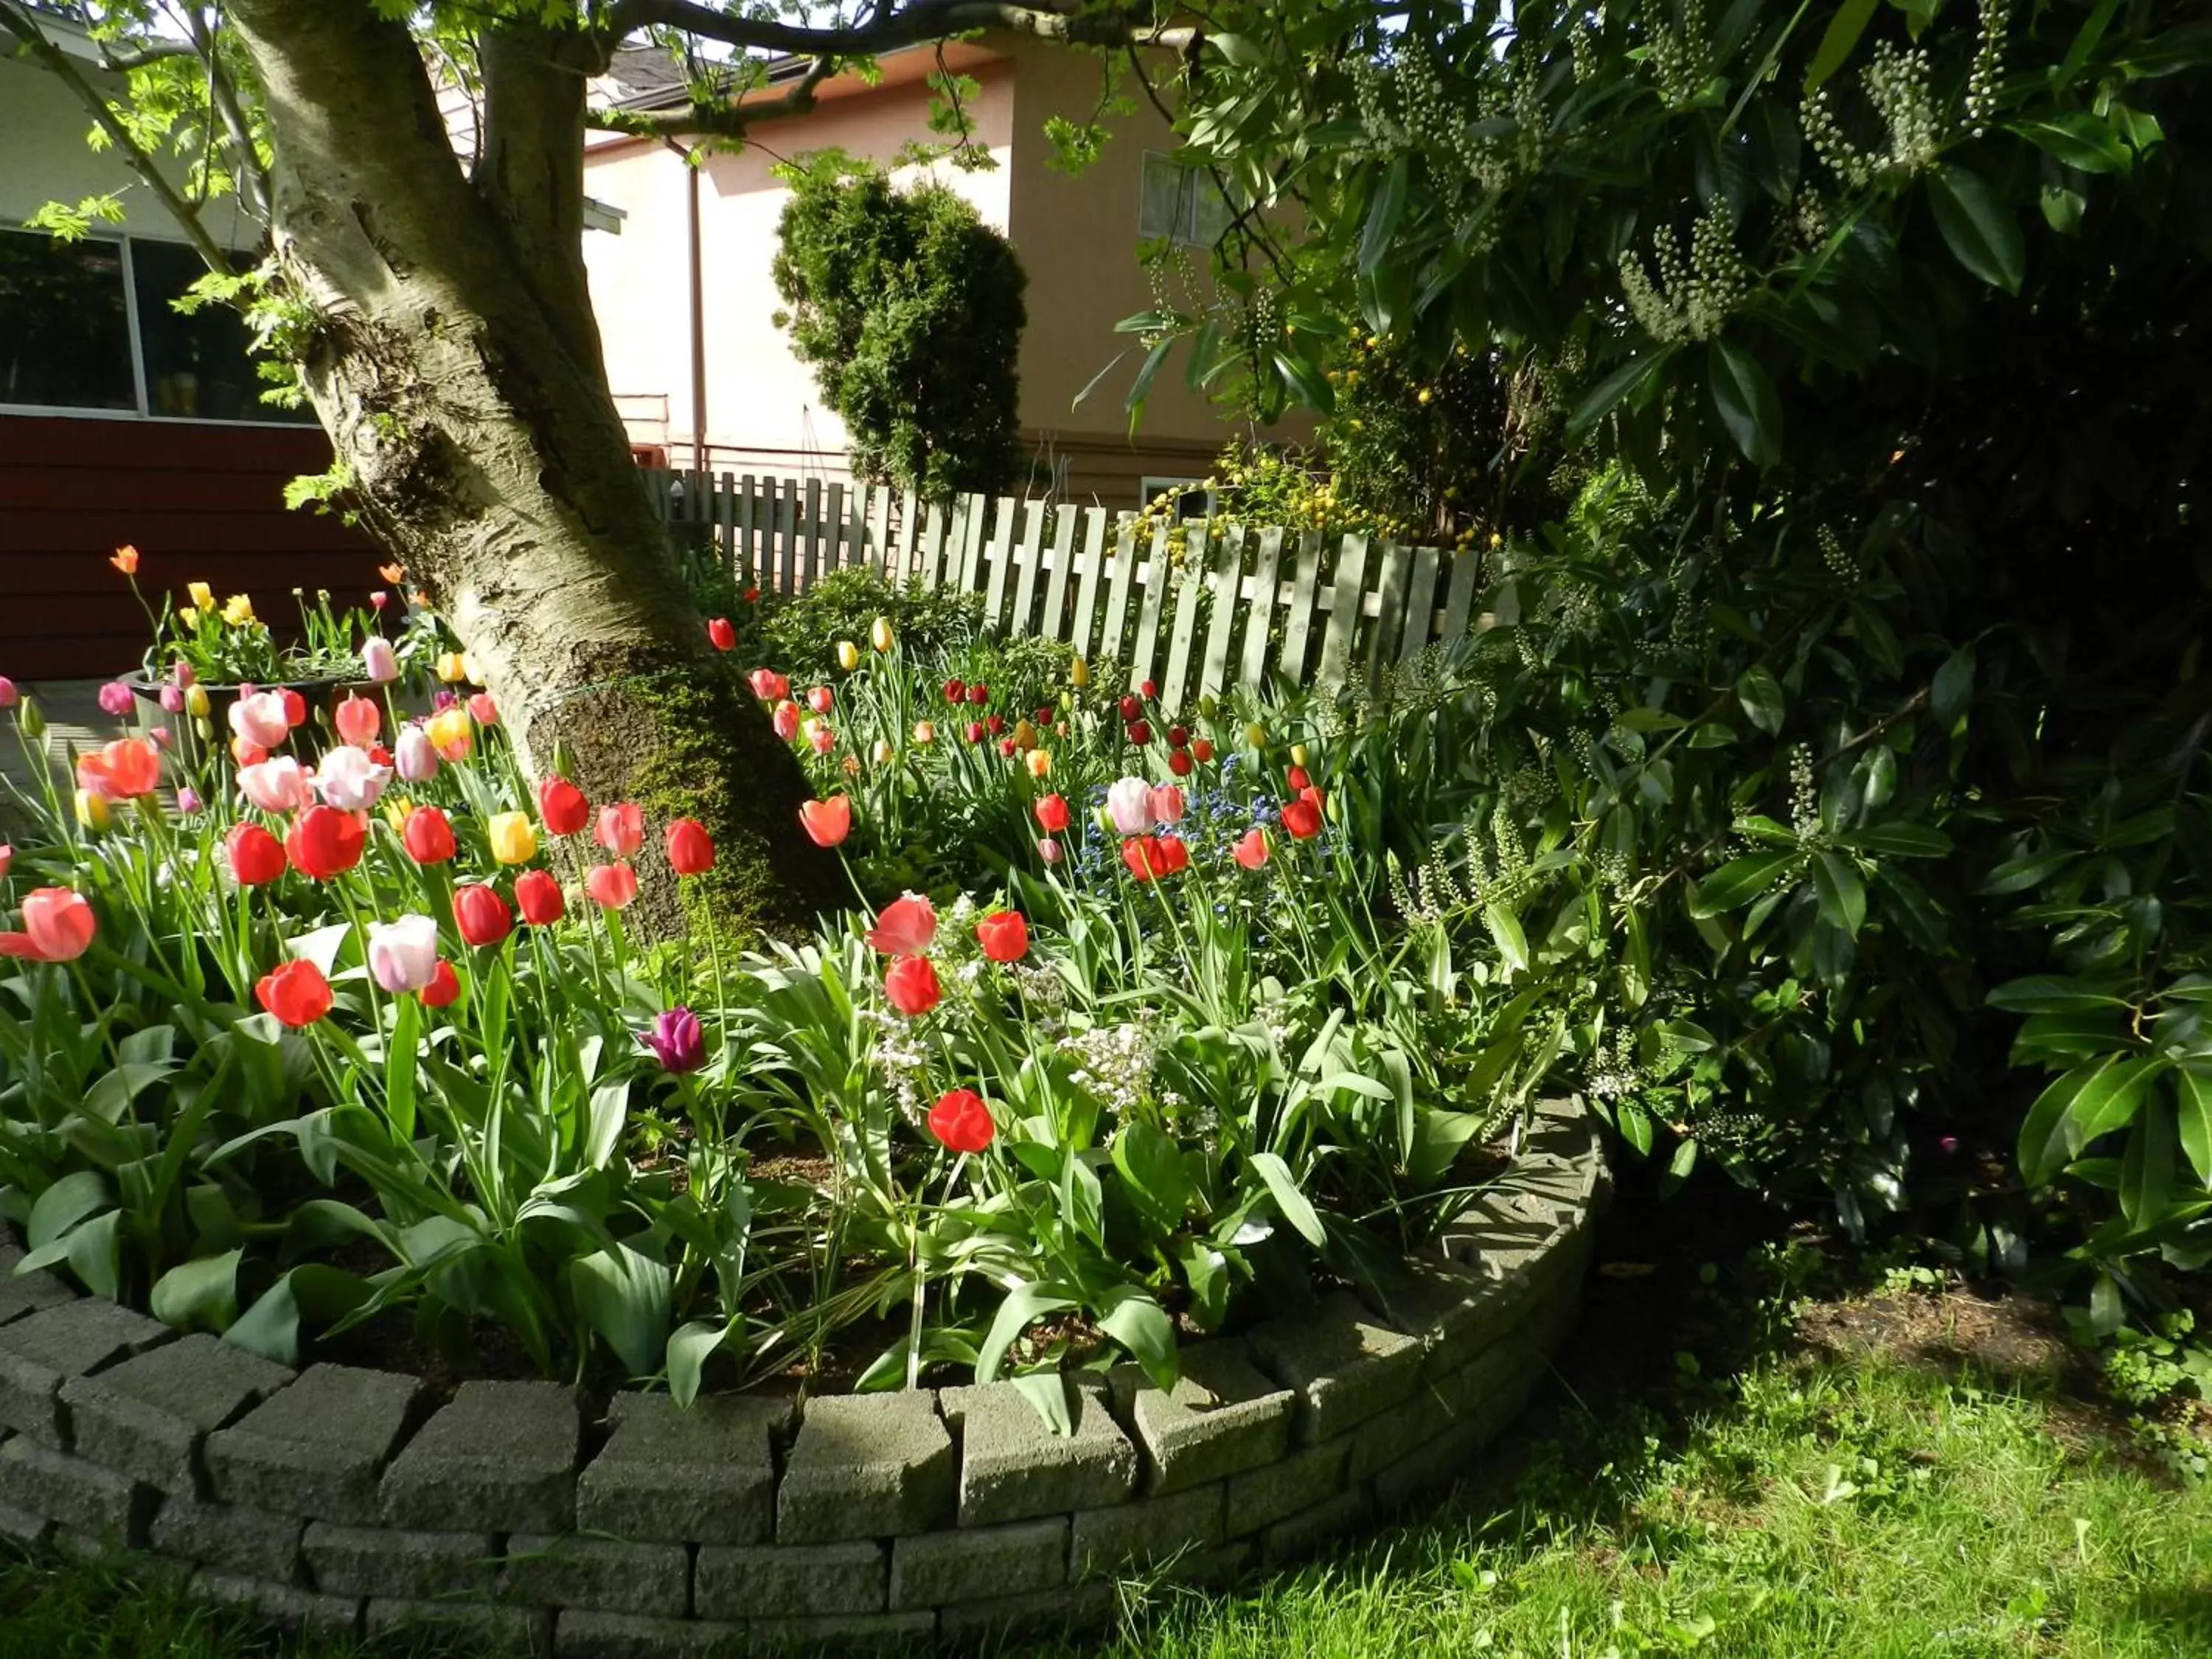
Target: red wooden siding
(201,502)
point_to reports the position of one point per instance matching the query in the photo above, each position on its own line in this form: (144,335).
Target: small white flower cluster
(1691,298)
(1835,555)
(898,1054)
(1617,1073)
(1682,58)
(1113,1065)
(1804,796)
(1988,64)
(1814,223)
(1898,84)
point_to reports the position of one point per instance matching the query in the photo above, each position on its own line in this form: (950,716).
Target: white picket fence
(1315,609)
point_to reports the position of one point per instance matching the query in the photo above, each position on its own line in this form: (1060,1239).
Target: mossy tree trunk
(452,356)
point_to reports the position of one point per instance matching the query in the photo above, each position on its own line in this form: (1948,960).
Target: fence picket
(975,515)
(1390,613)
(1117,588)
(1421,604)
(1297,623)
(1260,622)
(1157,578)
(1225,583)
(833,529)
(931,547)
(1023,620)
(1054,625)
(1188,586)
(1002,560)
(1093,571)
(1344,611)
(1459,602)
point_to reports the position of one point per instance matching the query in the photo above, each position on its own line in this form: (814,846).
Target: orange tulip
(827,822)
(125,559)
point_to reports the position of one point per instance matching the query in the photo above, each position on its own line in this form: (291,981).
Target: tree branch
(723,120)
(891,27)
(252,177)
(56,62)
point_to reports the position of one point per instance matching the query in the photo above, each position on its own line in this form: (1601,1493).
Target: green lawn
(1878,1502)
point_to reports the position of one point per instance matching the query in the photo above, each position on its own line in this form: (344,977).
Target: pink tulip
(9,697)
(359,720)
(6,858)
(1167,804)
(188,803)
(416,756)
(349,781)
(172,699)
(182,672)
(1048,850)
(620,828)
(820,736)
(403,954)
(259,718)
(821,699)
(1129,805)
(379,661)
(277,786)
(115,699)
(786,720)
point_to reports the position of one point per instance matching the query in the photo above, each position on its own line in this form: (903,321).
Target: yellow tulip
(879,633)
(202,595)
(453,668)
(1298,754)
(448,727)
(512,840)
(188,616)
(848,655)
(925,731)
(1040,763)
(238,610)
(196,701)
(1256,735)
(1024,734)
(1078,674)
(883,753)
(91,809)
(395,809)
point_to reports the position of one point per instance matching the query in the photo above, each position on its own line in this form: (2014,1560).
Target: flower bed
(348,1499)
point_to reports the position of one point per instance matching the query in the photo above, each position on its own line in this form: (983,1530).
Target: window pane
(1160,211)
(198,367)
(64,335)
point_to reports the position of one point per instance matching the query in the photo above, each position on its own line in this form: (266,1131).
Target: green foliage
(909,308)
(802,633)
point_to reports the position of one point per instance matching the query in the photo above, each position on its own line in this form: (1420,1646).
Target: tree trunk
(452,355)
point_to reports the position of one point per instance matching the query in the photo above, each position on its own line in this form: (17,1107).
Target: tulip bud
(1209,705)
(879,633)
(92,809)
(883,752)
(1078,674)
(925,731)
(1040,763)
(32,722)
(848,655)
(196,701)
(1048,850)
(1256,735)
(1298,754)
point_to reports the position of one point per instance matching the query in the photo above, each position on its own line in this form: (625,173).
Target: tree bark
(455,362)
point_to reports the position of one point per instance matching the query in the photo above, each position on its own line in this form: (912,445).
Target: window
(1180,205)
(1192,500)
(91,325)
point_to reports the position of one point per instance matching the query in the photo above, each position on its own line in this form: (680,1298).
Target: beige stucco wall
(764,410)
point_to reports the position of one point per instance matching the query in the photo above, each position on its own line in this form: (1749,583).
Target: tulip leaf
(198,1295)
(690,1347)
(1141,1325)
(624,1294)
(1023,1303)
(1152,1170)
(1288,1198)
(399,1067)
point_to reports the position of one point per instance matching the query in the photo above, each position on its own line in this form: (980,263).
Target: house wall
(203,501)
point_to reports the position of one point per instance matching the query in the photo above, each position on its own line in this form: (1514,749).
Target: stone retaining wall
(352,1500)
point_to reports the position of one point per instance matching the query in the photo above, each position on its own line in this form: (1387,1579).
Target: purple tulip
(115,699)
(676,1041)
(172,699)
(188,800)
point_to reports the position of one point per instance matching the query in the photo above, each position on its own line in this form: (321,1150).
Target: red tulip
(1179,762)
(955,691)
(295,992)
(247,754)
(481,915)
(1299,781)
(827,822)
(769,685)
(690,849)
(537,896)
(1131,708)
(1251,849)
(1147,690)
(620,828)
(611,886)
(1043,716)
(445,986)
(257,857)
(1004,935)
(325,841)
(785,719)
(905,927)
(1312,795)
(57,926)
(721,635)
(1051,814)
(974,731)
(1149,857)
(562,806)
(961,1122)
(1008,748)
(994,724)
(1302,819)
(979,694)
(821,699)
(911,985)
(296,706)
(122,771)
(1139,734)
(427,836)
(1178,737)
(1202,748)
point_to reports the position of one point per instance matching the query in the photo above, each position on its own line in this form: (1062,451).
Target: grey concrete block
(1261,1497)
(583,1635)
(501,1457)
(318,1447)
(931,1567)
(35,1479)
(406,1566)
(1144,1532)
(24,1527)
(27,1293)
(42,1352)
(1013,1464)
(748,1581)
(254,1542)
(1401,1431)
(841,1631)
(1343,1366)
(514,1630)
(1221,1417)
(146,1416)
(284,1605)
(1500,1236)
(598,1573)
(702,1473)
(1454,1311)
(1070,1609)
(1421,1474)
(867,1466)
(1304,1534)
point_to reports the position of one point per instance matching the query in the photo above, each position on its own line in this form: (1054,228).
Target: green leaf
(1238,50)
(1901,841)
(1302,378)
(2079,138)
(1616,386)
(1048,1393)
(1952,690)
(1739,881)
(1151,1170)
(399,1056)
(63,1206)
(690,1347)
(1098,379)
(2087,1102)
(625,1296)
(1141,1325)
(1505,933)
(2024,870)
(2147,1167)
(1745,400)
(95,1254)
(1288,1198)
(1760,695)
(1979,225)
(1841,891)
(2048,994)
(1146,373)
(1439,1139)
(1837,43)
(2193,1088)
(200,1295)
(1023,1303)
(1383,213)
